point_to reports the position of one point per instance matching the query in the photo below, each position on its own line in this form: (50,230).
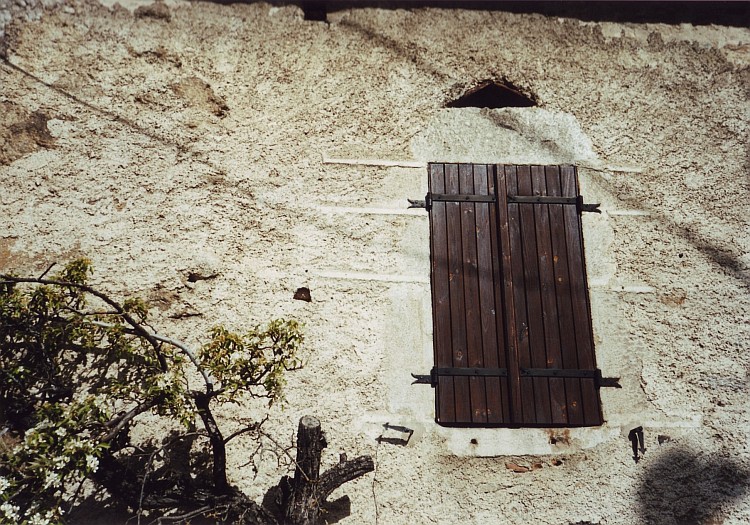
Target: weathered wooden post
(304,496)
(302,507)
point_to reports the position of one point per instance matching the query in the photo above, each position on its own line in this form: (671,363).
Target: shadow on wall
(727,260)
(698,13)
(682,487)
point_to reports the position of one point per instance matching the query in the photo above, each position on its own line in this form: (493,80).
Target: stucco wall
(142,168)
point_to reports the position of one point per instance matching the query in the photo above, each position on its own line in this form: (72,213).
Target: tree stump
(304,496)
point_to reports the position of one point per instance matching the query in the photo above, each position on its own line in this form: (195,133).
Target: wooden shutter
(512,329)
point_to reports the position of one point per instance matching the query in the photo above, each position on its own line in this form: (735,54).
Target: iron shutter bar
(557,372)
(448,197)
(541,199)
(513,199)
(546,199)
(445,197)
(487,372)
(596,375)
(436,372)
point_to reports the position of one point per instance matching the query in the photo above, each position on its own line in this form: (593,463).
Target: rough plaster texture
(189,139)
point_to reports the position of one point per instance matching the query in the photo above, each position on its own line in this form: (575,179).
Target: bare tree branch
(250,428)
(174,342)
(47,270)
(128,417)
(183,517)
(342,473)
(286,453)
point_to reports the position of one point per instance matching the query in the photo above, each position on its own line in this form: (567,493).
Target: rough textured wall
(189,138)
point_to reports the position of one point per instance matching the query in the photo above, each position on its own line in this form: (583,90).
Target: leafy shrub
(78,368)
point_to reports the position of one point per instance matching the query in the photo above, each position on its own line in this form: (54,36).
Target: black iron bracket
(422,379)
(636,439)
(607,382)
(395,435)
(590,208)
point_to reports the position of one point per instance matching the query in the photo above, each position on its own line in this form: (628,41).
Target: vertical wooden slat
(488,270)
(564,300)
(507,225)
(444,396)
(517,217)
(558,404)
(579,298)
(471,236)
(457,293)
(533,296)
(499,356)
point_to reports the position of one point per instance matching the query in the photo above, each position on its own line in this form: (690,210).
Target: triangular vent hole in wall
(489,94)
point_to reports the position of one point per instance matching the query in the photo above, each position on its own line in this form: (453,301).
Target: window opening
(315,11)
(490,94)
(513,341)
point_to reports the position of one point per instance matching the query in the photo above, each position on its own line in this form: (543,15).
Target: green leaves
(136,307)
(253,363)
(77,368)
(76,271)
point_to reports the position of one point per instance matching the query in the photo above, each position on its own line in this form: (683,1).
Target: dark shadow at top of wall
(678,12)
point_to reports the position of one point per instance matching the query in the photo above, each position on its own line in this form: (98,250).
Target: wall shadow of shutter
(511,317)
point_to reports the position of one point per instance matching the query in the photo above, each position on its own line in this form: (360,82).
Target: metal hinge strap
(557,372)
(550,199)
(447,197)
(436,372)
(541,199)
(596,375)
(487,372)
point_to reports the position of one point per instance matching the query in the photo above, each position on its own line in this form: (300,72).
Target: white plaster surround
(514,136)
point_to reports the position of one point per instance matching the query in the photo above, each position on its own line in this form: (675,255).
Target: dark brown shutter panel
(512,328)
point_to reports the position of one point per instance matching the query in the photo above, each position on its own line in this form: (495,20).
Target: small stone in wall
(200,95)
(303,294)
(194,277)
(22,132)
(560,438)
(515,467)
(520,469)
(157,10)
